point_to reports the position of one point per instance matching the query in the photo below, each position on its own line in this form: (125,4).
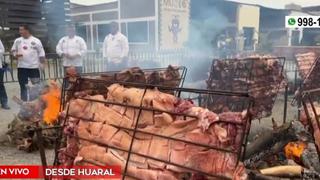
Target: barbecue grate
(310,80)
(238,151)
(311,106)
(250,75)
(89,83)
(304,63)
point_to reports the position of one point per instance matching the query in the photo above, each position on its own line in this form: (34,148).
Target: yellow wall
(249,16)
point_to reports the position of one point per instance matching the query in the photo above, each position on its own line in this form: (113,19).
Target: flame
(294,150)
(52,100)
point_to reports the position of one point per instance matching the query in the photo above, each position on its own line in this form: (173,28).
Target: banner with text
(174,23)
(60,172)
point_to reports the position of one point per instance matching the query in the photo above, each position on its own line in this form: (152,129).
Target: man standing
(29,52)
(72,48)
(115,49)
(3,93)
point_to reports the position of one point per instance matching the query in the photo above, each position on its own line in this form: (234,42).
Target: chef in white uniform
(3,93)
(72,49)
(116,49)
(29,52)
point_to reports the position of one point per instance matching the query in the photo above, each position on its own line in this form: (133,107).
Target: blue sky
(268,3)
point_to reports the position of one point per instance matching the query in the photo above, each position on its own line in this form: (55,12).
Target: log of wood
(284,133)
(283,171)
(253,161)
(255,175)
(17,100)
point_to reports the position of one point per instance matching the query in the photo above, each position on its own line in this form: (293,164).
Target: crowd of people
(30,55)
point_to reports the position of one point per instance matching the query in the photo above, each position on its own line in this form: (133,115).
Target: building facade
(136,22)
(225,25)
(46,19)
(272,27)
(14,13)
(148,24)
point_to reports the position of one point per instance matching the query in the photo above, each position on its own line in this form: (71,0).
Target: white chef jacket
(1,53)
(31,50)
(72,46)
(115,47)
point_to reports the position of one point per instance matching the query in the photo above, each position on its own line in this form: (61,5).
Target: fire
(294,150)
(52,100)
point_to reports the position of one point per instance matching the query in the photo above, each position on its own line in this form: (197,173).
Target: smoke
(206,23)
(30,109)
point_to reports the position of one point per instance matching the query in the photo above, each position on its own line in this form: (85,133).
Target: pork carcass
(90,84)
(311,80)
(261,76)
(305,62)
(107,125)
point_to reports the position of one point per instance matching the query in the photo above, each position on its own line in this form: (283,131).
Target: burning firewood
(265,141)
(39,113)
(285,144)
(22,134)
(294,150)
(19,132)
(282,141)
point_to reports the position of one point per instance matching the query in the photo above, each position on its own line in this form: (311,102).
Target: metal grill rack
(310,80)
(249,75)
(90,81)
(238,151)
(309,83)
(113,75)
(310,103)
(305,65)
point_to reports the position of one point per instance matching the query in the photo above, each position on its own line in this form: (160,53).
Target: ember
(294,150)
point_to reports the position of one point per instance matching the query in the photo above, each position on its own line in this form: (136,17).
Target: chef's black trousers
(3,93)
(24,74)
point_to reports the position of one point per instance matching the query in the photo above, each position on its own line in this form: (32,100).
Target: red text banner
(60,172)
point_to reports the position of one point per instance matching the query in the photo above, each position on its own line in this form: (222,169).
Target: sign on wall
(174,23)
